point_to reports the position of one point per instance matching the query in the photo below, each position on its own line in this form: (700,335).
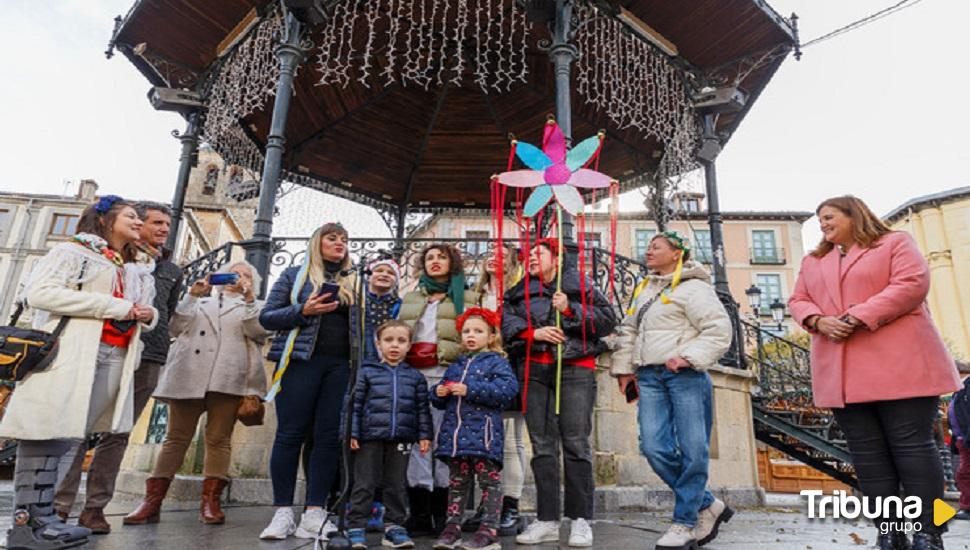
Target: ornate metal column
(187,160)
(563,53)
(710,148)
(290,54)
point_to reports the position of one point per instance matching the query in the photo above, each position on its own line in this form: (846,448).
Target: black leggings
(892,443)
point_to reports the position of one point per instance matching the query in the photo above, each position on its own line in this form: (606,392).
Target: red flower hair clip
(490,317)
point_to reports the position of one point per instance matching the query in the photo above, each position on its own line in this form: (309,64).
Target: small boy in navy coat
(390,413)
(475,390)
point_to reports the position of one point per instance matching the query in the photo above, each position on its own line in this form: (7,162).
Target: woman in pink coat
(877,359)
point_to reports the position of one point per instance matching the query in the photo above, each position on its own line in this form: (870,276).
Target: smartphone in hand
(218,279)
(331,289)
(632,392)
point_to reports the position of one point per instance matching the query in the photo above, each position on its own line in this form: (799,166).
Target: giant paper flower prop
(555,172)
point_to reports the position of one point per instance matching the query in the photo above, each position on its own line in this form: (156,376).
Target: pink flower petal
(555,144)
(590,179)
(521,178)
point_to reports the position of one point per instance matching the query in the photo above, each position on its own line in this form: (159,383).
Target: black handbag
(24,350)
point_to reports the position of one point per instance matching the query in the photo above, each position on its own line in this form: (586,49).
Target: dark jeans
(570,430)
(310,399)
(892,443)
(379,464)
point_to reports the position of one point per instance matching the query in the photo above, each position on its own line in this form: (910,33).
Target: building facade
(940,223)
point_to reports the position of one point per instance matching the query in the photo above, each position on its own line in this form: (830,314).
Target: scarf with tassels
(454,289)
(298,282)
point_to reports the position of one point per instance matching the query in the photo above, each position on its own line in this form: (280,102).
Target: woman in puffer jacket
(675,331)
(530,333)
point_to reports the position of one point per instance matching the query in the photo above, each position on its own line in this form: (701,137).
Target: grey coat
(217,348)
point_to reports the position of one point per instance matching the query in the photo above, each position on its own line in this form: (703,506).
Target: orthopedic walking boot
(210,510)
(150,509)
(36,525)
(894,540)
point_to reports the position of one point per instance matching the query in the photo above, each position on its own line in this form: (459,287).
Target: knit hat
(389,263)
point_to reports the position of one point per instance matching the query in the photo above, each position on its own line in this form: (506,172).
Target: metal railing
(767,256)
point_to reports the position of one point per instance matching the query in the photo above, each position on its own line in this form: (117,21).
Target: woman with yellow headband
(676,329)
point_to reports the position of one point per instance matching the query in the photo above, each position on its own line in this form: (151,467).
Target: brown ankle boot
(93,519)
(150,509)
(210,510)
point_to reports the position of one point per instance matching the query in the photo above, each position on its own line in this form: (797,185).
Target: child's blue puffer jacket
(391,404)
(472,425)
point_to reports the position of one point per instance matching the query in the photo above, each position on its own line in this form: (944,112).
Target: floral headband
(489,316)
(675,239)
(104,205)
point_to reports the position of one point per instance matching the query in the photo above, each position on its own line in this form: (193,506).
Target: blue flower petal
(537,200)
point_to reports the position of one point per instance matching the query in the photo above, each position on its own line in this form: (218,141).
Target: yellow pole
(559,315)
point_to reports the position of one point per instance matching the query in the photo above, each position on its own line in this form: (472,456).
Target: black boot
(419,519)
(510,523)
(927,541)
(893,541)
(439,508)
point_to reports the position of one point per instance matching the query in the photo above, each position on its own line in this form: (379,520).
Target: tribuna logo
(898,513)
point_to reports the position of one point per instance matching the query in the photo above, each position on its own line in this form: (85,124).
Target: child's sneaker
(358,539)
(397,537)
(450,538)
(484,539)
(376,522)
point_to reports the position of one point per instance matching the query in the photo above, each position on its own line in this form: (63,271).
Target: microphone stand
(358,310)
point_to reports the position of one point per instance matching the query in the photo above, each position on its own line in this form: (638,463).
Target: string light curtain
(425,42)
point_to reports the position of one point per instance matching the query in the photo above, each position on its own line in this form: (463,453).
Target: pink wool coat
(898,353)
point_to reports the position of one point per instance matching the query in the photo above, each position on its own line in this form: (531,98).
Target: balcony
(767,256)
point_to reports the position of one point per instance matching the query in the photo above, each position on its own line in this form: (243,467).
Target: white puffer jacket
(694,325)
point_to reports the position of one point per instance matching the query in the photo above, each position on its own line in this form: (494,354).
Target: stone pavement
(771,528)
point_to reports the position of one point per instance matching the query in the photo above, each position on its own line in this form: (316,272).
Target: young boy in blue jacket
(390,413)
(475,390)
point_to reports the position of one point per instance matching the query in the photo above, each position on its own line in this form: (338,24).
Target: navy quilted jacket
(280,316)
(391,404)
(472,425)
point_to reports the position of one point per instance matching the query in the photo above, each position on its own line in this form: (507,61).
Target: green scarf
(454,289)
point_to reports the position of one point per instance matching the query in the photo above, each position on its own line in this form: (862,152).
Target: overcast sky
(877,112)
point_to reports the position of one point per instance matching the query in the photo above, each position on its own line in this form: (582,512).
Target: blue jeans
(310,399)
(675,417)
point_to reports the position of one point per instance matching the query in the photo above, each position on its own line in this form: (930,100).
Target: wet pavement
(774,528)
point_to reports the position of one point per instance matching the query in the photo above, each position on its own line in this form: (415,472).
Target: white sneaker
(580,533)
(311,522)
(709,520)
(539,532)
(281,527)
(679,537)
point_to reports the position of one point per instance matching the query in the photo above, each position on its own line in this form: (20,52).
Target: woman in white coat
(676,330)
(94,280)
(215,361)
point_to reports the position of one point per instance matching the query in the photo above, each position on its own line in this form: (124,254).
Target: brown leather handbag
(250,411)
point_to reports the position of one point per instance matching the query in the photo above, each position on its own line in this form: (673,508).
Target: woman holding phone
(309,308)
(677,329)
(215,361)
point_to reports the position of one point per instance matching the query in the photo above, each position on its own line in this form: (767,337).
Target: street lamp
(777,312)
(754,298)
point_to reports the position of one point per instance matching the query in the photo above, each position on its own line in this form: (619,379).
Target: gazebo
(409,106)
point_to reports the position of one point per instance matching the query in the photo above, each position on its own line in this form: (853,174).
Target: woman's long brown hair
(91,221)
(867,228)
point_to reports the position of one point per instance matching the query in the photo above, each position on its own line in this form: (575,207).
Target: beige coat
(217,348)
(53,403)
(694,325)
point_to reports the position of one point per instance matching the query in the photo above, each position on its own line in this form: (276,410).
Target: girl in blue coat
(475,390)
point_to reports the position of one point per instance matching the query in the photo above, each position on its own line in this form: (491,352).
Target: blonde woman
(513,471)
(215,361)
(309,308)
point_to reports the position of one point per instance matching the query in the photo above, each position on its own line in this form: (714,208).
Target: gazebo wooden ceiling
(371,138)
